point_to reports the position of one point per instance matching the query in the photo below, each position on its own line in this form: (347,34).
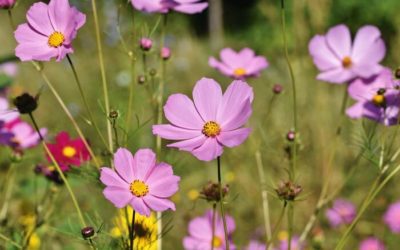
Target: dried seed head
(26,103)
(288,190)
(210,192)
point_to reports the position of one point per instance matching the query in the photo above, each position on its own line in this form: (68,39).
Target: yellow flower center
(239,72)
(379,100)
(56,39)
(139,188)
(69,151)
(211,129)
(51,168)
(217,242)
(346,62)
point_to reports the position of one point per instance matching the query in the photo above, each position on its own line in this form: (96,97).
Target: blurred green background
(250,23)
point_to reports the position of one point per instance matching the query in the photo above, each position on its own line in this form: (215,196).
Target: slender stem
(323,199)
(60,172)
(103,73)
(114,126)
(85,102)
(290,214)
(10,18)
(213,225)
(132,231)
(10,179)
(69,115)
(221,202)
(6,239)
(294,97)
(159,120)
(264,195)
(277,225)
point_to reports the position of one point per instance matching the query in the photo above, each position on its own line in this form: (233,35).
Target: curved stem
(85,102)
(277,225)
(69,115)
(103,73)
(221,202)
(60,172)
(6,239)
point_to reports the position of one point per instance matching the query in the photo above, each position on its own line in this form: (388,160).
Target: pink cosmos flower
(341,61)
(164,6)
(294,244)
(9,69)
(211,122)
(140,182)
(239,65)
(392,217)
(377,98)
(67,151)
(342,212)
(6,4)
(371,243)
(25,136)
(200,232)
(49,31)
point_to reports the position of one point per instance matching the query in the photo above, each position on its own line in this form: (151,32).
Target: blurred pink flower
(239,65)
(67,151)
(371,243)
(145,43)
(164,6)
(377,98)
(140,182)
(200,232)
(342,212)
(341,61)
(211,122)
(165,53)
(6,4)
(392,217)
(9,69)
(25,136)
(255,245)
(49,31)
(7,115)
(294,244)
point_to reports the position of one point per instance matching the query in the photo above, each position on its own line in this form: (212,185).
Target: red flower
(68,152)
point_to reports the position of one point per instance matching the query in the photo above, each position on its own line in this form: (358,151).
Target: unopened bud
(277,89)
(146,43)
(25,103)
(141,79)
(165,53)
(291,136)
(87,232)
(153,72)
(113,114)
(210,192)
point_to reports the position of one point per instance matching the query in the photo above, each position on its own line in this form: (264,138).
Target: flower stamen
(139,188)
(217,242)
(69,151)
(346,62)
(211,129)
(56,39)
(239,72)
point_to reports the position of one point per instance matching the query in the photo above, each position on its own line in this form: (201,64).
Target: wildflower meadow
(199,124)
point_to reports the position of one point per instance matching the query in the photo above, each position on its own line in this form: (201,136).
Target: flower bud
(87,232)
(153,72)
(146,43)
(277,89)
(210,192)
(288,191)
(6,4)
(397,73)
(141,79)
(291,135)
(165,53)
(25,103)
(114,114)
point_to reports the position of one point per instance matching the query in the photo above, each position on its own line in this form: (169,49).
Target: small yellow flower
(145,229)
(230,176)
(193,194)
(283,235)
(34,242)
(28,221)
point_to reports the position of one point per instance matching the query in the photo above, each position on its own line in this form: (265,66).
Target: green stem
(60,172)
(159,120)
(264,195)
(10,18)
(213,225)
(103,73)
(6,239)
(10,179)
(277,225)
(290,214)
(85,102)
(221,202)
(132,231)
(114,126)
